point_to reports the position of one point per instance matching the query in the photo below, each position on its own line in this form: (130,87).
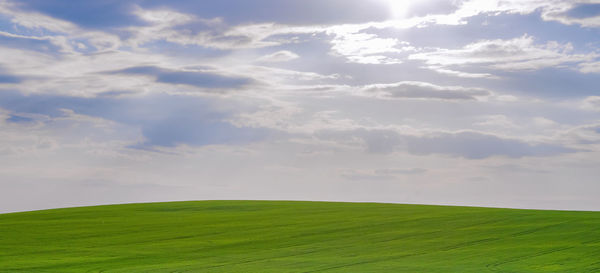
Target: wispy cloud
(515,54)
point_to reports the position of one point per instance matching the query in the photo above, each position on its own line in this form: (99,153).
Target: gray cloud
(474,145)
(422,90)
(19,119)
(466,144)
(584,11)
(375,141)
(164,120)
(194,78)
(290,12)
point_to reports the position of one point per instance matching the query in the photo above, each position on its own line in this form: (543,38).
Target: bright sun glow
(398,8)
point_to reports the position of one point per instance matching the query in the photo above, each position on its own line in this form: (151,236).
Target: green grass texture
(289,236)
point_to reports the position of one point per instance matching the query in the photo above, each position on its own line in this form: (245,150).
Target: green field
(274,236)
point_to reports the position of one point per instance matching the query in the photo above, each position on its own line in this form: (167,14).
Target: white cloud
(520,53)
(462,74)
(34,20)
(586,136)
(79,74)
(365,48)
(187,29)
(506,98)
(279,77)
(279,56)
(496,121)
(544,122)
(65,33)
(550,10)
(163,17)
(559,13)
(589,67)
(349,40)
(591,103)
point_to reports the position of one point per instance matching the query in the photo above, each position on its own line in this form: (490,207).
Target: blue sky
(486,103)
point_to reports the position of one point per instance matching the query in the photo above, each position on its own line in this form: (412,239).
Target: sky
(458,102)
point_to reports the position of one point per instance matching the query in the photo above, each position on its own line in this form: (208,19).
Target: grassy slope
(262,236)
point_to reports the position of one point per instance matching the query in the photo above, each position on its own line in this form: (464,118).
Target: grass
(275,236)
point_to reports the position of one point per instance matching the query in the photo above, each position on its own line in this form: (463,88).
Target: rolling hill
(285,236)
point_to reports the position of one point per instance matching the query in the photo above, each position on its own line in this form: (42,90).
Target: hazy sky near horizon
(486,103)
